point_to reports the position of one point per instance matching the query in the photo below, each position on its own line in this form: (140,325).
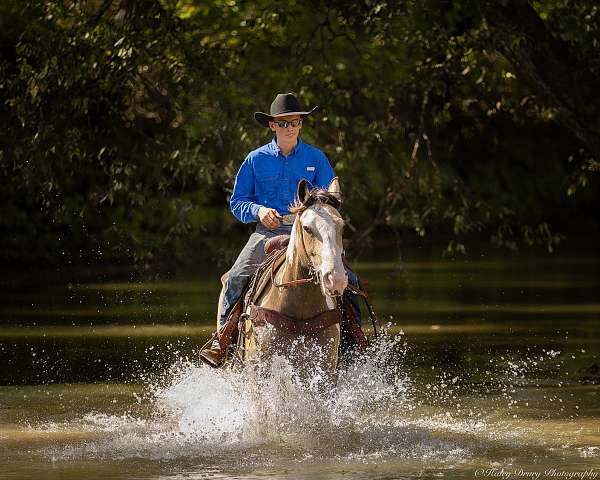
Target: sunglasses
(286,124)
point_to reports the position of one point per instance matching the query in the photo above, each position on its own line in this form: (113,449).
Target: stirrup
(214,355)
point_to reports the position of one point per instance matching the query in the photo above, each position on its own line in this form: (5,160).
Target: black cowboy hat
(284,104)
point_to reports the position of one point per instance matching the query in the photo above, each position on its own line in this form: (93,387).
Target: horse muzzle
(335,283)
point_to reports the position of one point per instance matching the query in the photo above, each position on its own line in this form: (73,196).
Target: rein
(316,196)
(313,276)
(257,315)
(292,283)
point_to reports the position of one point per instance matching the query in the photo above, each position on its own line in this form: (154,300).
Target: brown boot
(214,355)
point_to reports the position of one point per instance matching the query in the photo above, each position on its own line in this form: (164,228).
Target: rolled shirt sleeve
(242,202)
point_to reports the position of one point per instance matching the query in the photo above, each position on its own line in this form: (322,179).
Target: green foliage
(123,123)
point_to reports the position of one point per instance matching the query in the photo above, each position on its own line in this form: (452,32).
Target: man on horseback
(264,189)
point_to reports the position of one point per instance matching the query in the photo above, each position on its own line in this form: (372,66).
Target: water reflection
(484,363)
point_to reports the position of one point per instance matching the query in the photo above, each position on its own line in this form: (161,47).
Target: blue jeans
(247,263)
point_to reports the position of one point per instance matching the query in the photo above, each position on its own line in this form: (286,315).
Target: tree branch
(99,14)
(550,66)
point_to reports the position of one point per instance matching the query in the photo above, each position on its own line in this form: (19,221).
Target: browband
(324,197)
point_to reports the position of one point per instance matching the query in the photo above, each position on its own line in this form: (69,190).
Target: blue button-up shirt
(268,178)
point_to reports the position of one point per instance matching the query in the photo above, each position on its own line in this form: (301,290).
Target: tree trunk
(550,67)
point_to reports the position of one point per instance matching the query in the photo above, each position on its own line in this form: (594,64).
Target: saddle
(352,336)
(276,243)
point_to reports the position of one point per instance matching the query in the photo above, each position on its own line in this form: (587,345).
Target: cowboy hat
(283,105)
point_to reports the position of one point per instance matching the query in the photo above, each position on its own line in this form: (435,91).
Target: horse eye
(307,229)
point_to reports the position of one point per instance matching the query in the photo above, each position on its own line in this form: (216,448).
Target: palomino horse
(297,303)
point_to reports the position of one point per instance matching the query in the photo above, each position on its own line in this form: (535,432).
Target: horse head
(318,233)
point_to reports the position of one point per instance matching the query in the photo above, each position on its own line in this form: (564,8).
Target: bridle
(322,196)
(315,197)
(259,315)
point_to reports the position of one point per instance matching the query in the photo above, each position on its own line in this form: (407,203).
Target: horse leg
(261,342)
(328,342)
(310,354)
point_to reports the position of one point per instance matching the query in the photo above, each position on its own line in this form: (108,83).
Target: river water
(486,369)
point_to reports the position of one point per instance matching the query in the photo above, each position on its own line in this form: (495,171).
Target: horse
(295,314)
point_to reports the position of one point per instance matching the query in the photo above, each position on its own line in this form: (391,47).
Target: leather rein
(258,315)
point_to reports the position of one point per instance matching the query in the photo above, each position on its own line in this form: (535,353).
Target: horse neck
(297,264)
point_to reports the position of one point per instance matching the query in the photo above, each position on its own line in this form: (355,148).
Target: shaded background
(123,122)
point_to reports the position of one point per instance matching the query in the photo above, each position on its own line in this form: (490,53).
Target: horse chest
(304,303)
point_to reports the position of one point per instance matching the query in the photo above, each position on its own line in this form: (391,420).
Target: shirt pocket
(267,189)
(308,173)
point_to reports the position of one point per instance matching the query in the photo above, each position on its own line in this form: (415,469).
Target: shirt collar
(276,150)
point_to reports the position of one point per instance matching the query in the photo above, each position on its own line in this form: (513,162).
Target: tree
(123,122)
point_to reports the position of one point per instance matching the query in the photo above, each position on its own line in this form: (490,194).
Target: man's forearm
(245,211)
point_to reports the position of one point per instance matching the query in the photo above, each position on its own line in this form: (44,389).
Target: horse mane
(316,195)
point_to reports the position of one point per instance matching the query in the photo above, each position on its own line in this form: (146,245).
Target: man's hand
(269,217)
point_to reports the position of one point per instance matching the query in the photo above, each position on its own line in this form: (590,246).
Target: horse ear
(334,188)
(302,191)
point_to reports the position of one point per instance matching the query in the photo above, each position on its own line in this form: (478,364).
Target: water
(486,370)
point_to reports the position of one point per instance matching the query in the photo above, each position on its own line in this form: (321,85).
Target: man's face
(284,129)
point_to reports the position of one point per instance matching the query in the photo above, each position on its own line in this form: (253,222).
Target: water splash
(275,413)
(274,403)
(201,412)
